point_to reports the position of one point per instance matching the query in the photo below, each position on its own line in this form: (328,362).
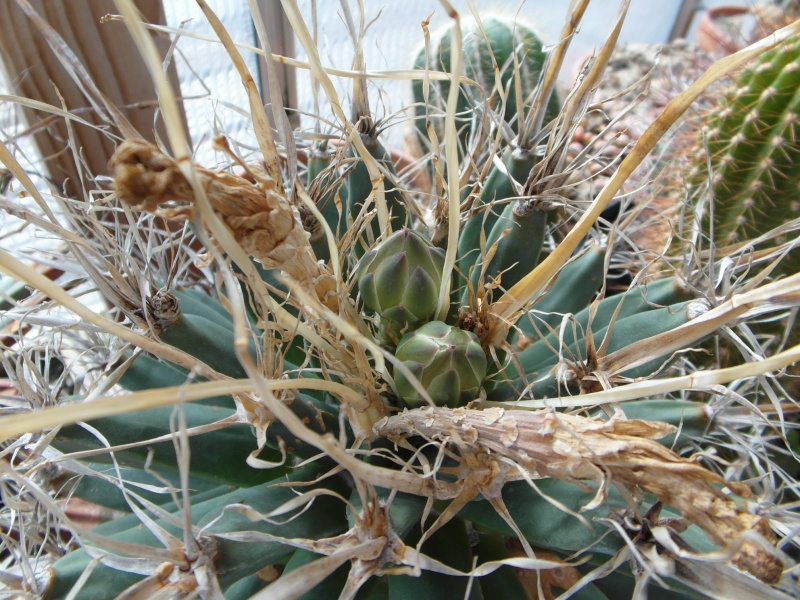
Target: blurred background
(214,99)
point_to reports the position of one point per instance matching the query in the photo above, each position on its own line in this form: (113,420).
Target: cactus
(448,362)
(753,150)
(748,161)
(399,279)
(508,42)
(263,426)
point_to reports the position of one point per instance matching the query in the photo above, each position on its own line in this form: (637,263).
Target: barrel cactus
(330,384)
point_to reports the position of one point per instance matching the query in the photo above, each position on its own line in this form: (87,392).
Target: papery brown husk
(261,220)
(568,447)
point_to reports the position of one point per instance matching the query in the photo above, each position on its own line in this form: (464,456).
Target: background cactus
(752,149)
(499,45)
(251,432)
(747,159)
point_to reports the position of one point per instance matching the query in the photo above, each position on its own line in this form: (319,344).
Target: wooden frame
(109,56)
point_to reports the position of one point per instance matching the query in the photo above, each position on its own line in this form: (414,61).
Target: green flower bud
(448,362)
(400,279)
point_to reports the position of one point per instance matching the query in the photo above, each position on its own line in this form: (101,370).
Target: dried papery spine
(260,218)
(544,444)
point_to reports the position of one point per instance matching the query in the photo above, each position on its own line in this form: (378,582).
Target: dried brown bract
(263,222)
(540,444)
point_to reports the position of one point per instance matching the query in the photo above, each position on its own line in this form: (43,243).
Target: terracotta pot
(713,37)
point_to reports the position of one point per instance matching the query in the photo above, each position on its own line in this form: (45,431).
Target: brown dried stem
(545,444)
(260,218)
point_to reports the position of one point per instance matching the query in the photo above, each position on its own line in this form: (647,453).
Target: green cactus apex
(448,362)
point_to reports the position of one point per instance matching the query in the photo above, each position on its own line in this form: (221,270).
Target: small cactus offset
(334,384)
(400,281)
(449,363)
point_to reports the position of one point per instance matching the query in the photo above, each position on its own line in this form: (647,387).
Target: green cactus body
(359,189)
(330,587)
(325,188)
(542,327)
(498,188)
(447,361)
(450,545)
(148,373)
(204,329)
(692,418)
(571,292)
(154,423)
(149,486)
(514,244)
(536,362)
(207,341)
(754,151)
(235,559)
(195,302)
(503,583)
(504,38)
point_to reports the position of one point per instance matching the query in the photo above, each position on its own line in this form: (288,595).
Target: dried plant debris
(261,220)
(516,444)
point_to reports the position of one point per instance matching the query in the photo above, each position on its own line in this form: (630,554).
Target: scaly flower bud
(449,363)
(400,280)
